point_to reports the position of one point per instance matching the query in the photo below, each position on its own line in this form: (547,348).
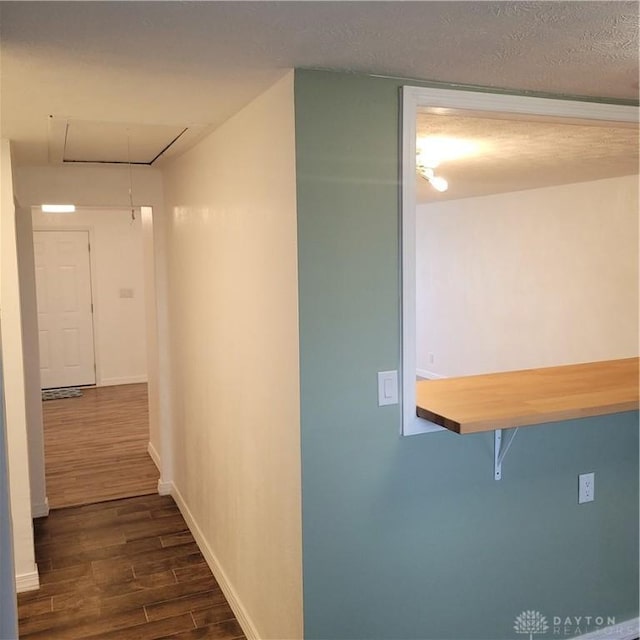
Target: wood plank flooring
(126,570)
(96,446)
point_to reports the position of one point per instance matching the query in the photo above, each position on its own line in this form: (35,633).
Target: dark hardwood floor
(125,569)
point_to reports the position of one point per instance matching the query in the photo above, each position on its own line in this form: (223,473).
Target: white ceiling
(179,64)
(513,155)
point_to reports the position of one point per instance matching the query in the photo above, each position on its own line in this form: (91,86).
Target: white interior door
(65,313)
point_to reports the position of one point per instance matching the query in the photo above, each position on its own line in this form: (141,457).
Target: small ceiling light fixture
(58,208)
(434,150)
(428,173)
(437,182)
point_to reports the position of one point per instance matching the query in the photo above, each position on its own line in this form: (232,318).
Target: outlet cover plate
(586,487)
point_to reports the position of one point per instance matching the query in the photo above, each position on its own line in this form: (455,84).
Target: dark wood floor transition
(126,569)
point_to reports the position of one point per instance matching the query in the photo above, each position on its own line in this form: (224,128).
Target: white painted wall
(151,326)
(31,359)
(233,293)
(528,279)
(108,186)
(14,382)
(116,265)
(88,185)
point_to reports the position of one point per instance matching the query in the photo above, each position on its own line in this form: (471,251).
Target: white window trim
(443,102)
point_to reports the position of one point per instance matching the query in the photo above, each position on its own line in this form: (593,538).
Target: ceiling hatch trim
(76,141)
(127,162)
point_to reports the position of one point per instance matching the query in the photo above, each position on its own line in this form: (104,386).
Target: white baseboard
(429,375)
(40,510)
(155,456)
(165,488)
(627,630)
(232,597)
(112,382)
(28,581)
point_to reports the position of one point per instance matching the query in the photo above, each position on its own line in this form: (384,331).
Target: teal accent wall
(412,537)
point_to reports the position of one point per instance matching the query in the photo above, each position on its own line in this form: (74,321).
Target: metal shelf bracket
(500,450)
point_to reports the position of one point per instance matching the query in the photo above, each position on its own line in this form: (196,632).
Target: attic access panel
(117,143)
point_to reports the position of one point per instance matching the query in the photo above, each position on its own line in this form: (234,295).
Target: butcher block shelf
(472,404)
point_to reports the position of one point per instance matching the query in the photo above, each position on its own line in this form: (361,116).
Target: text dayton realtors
(581,622)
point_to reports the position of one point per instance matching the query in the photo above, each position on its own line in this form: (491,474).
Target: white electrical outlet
(586,487)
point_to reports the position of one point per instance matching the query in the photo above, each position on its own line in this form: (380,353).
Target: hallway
(96,446)
(121,570)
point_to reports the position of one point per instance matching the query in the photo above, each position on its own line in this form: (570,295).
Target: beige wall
(233,294)
(31,360)
(116,264)
(151,339)
(108,186)
(14,382)
(528,279)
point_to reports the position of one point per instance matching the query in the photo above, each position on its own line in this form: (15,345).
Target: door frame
(155,259)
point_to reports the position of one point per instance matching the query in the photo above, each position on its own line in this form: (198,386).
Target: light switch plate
(387,388)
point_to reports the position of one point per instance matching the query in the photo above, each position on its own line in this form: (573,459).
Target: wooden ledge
(471,404)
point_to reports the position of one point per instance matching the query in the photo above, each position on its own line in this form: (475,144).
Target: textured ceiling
(197,63)
(513,155)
